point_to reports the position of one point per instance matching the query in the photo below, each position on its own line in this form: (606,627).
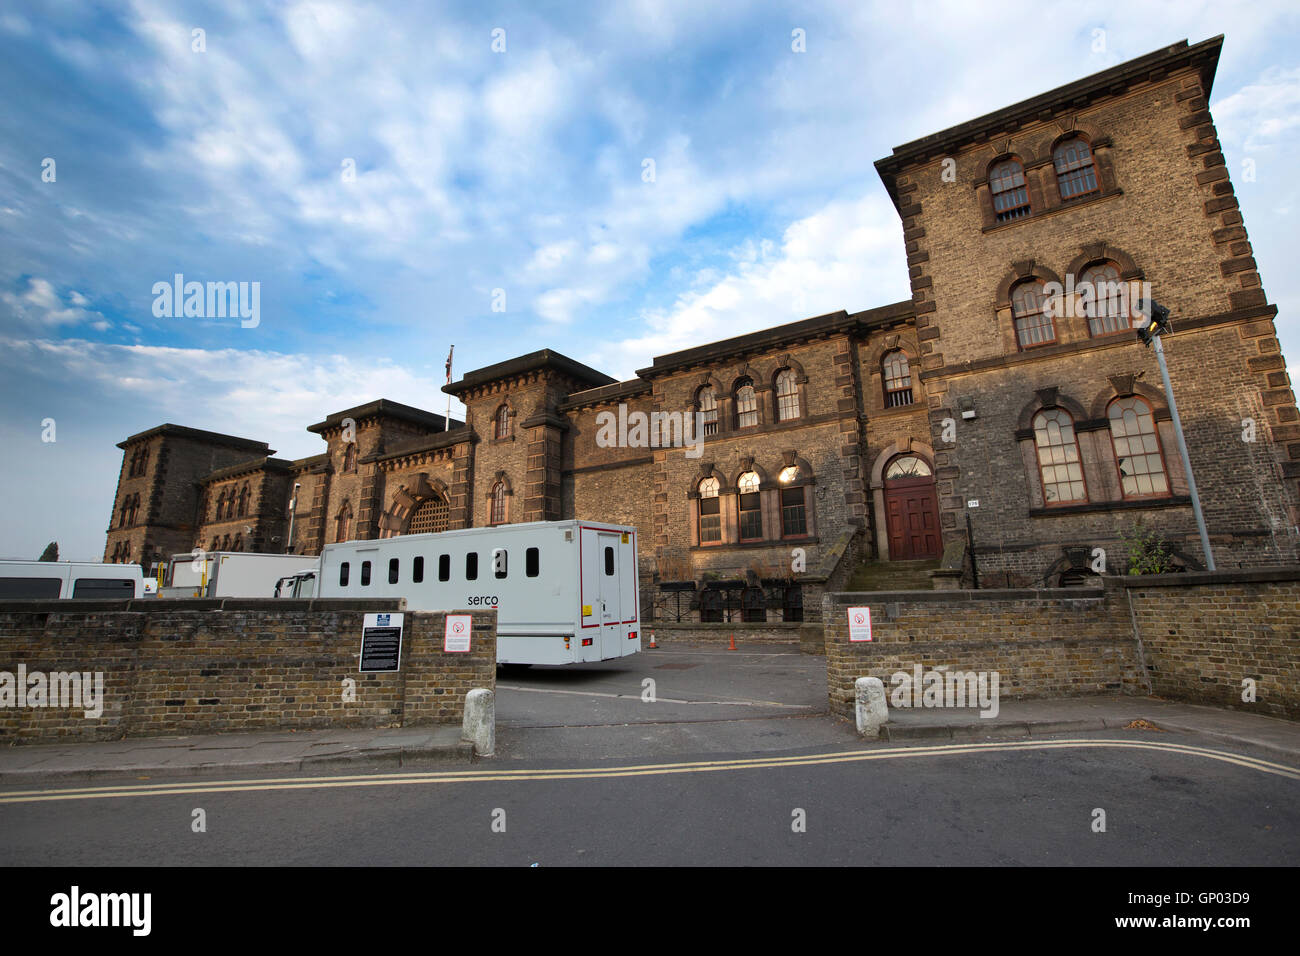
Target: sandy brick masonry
(1193,637)
(189,667)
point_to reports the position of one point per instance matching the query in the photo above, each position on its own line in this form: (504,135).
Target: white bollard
(870,707)
(480,725)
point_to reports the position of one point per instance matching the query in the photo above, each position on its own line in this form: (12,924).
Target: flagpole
(446,422)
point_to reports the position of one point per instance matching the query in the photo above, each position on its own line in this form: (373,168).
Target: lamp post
(1157,324)
(293,510)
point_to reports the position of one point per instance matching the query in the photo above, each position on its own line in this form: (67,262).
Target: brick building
(1004,406)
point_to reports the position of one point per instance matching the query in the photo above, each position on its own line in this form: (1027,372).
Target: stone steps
(893,576)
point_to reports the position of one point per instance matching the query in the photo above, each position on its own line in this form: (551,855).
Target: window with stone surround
(710,515)
(751,509)
(1138,457)
(706,403)
(343,522)
(1032,323)
(1109,310)
(502,419)
(897,376)
(1059,464)
(243,500)
(1075,173)
(1010,191)
(350,458)
(746,404)
(498,510)
(787,395)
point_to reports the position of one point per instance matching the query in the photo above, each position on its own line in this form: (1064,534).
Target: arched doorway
(430,515)
(912,509)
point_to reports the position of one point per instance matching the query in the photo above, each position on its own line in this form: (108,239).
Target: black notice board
(381,645)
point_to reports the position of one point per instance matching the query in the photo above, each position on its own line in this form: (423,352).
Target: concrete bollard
(480,726)
(870,707)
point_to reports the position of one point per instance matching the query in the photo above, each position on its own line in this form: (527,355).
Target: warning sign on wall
(456,638)
(859,624)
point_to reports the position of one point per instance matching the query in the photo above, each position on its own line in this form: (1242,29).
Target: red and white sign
(859,624)
(456,638)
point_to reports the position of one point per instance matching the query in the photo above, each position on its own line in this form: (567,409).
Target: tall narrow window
(1033,325)
(706,403)
(343,522)
(1137,449)
(898,379)
(350,458)
(1109,310)
(1074,169)
(502,422)
(343,574)
(498,515)
(787,395)
(417,569)
(239,542)
(753,607)
(746,404)
(471,566)
(1010,193)
(243,501)
(532,562)
(792,603)
(394,569)
(1059,465)
(751,511)
(365,574)
(794,516)
(444,567)
(710,512)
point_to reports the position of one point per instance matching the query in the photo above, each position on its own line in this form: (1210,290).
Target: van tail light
(631,635)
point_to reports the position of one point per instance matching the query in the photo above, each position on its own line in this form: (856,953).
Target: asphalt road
(1031,805)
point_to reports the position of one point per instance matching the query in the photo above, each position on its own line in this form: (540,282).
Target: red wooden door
(912,512)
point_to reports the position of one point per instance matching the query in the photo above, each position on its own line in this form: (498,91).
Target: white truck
(214,574)
(70,579)
(564,591)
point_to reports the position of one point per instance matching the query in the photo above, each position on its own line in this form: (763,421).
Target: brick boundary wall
(205,666)
(808,635)
(1192,637)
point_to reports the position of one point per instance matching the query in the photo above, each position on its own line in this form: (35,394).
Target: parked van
(564,591)
(70,579)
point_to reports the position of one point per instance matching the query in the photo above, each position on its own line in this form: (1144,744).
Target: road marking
(657,700)
(638,770)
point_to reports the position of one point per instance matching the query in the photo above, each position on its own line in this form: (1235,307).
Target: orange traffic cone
(652,639)
(733,643)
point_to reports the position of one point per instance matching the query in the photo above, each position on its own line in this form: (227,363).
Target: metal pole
(1182,450)
(293,510)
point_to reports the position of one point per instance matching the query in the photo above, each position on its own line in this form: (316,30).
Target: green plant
(1147,551)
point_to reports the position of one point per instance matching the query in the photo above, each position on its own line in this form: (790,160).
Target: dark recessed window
(532,562)
(609,562)
(751,509)
(444,567)
(417,569)
(471,566)
(794,518)
(707,406)
(343,572)
(392,570)
(365,574)
(710,512)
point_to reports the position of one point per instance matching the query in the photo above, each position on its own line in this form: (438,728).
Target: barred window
(1010,193)
(1110,310)
(710,512)
(1033,325)
(706,403)
(430,515)
(898,379)
(787,395)
(503,422)
(1074,169)
(498,515)
(350,457)
(1059,464)
(1138,457)
(751,510)
(746,404)
(794,517)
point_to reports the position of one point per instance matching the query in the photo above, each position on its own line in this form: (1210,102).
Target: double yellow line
(639,770)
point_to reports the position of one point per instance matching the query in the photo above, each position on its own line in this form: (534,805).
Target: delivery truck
(217,574)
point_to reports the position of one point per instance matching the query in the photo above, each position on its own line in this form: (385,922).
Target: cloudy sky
(386,175)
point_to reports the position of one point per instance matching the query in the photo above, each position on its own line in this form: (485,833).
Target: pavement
(703,701)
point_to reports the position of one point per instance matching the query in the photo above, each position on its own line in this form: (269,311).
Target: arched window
(746,404)
(216,543)
(239,542)
(897,378)
(343,522)
(1108,309)
(710,512)
(908,466)
(1137,449)
(135,462)
(751,509)
(126,551)
(1074,169)
(1010,193)
(498,515)
(787,395)
(430,515)
(135,507)
(225,543)
(243,501)
(794,510)
(117,552)
(753,608)
(1059,465)
(350,458)
(1033,325)
(706,403)
(502,422)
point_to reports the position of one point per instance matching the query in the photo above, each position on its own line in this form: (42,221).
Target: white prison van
(70,579)
(564,591)
(213,574)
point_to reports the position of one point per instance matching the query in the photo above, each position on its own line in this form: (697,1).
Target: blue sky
(477,171)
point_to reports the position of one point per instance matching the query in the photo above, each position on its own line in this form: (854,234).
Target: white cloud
(41,306)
